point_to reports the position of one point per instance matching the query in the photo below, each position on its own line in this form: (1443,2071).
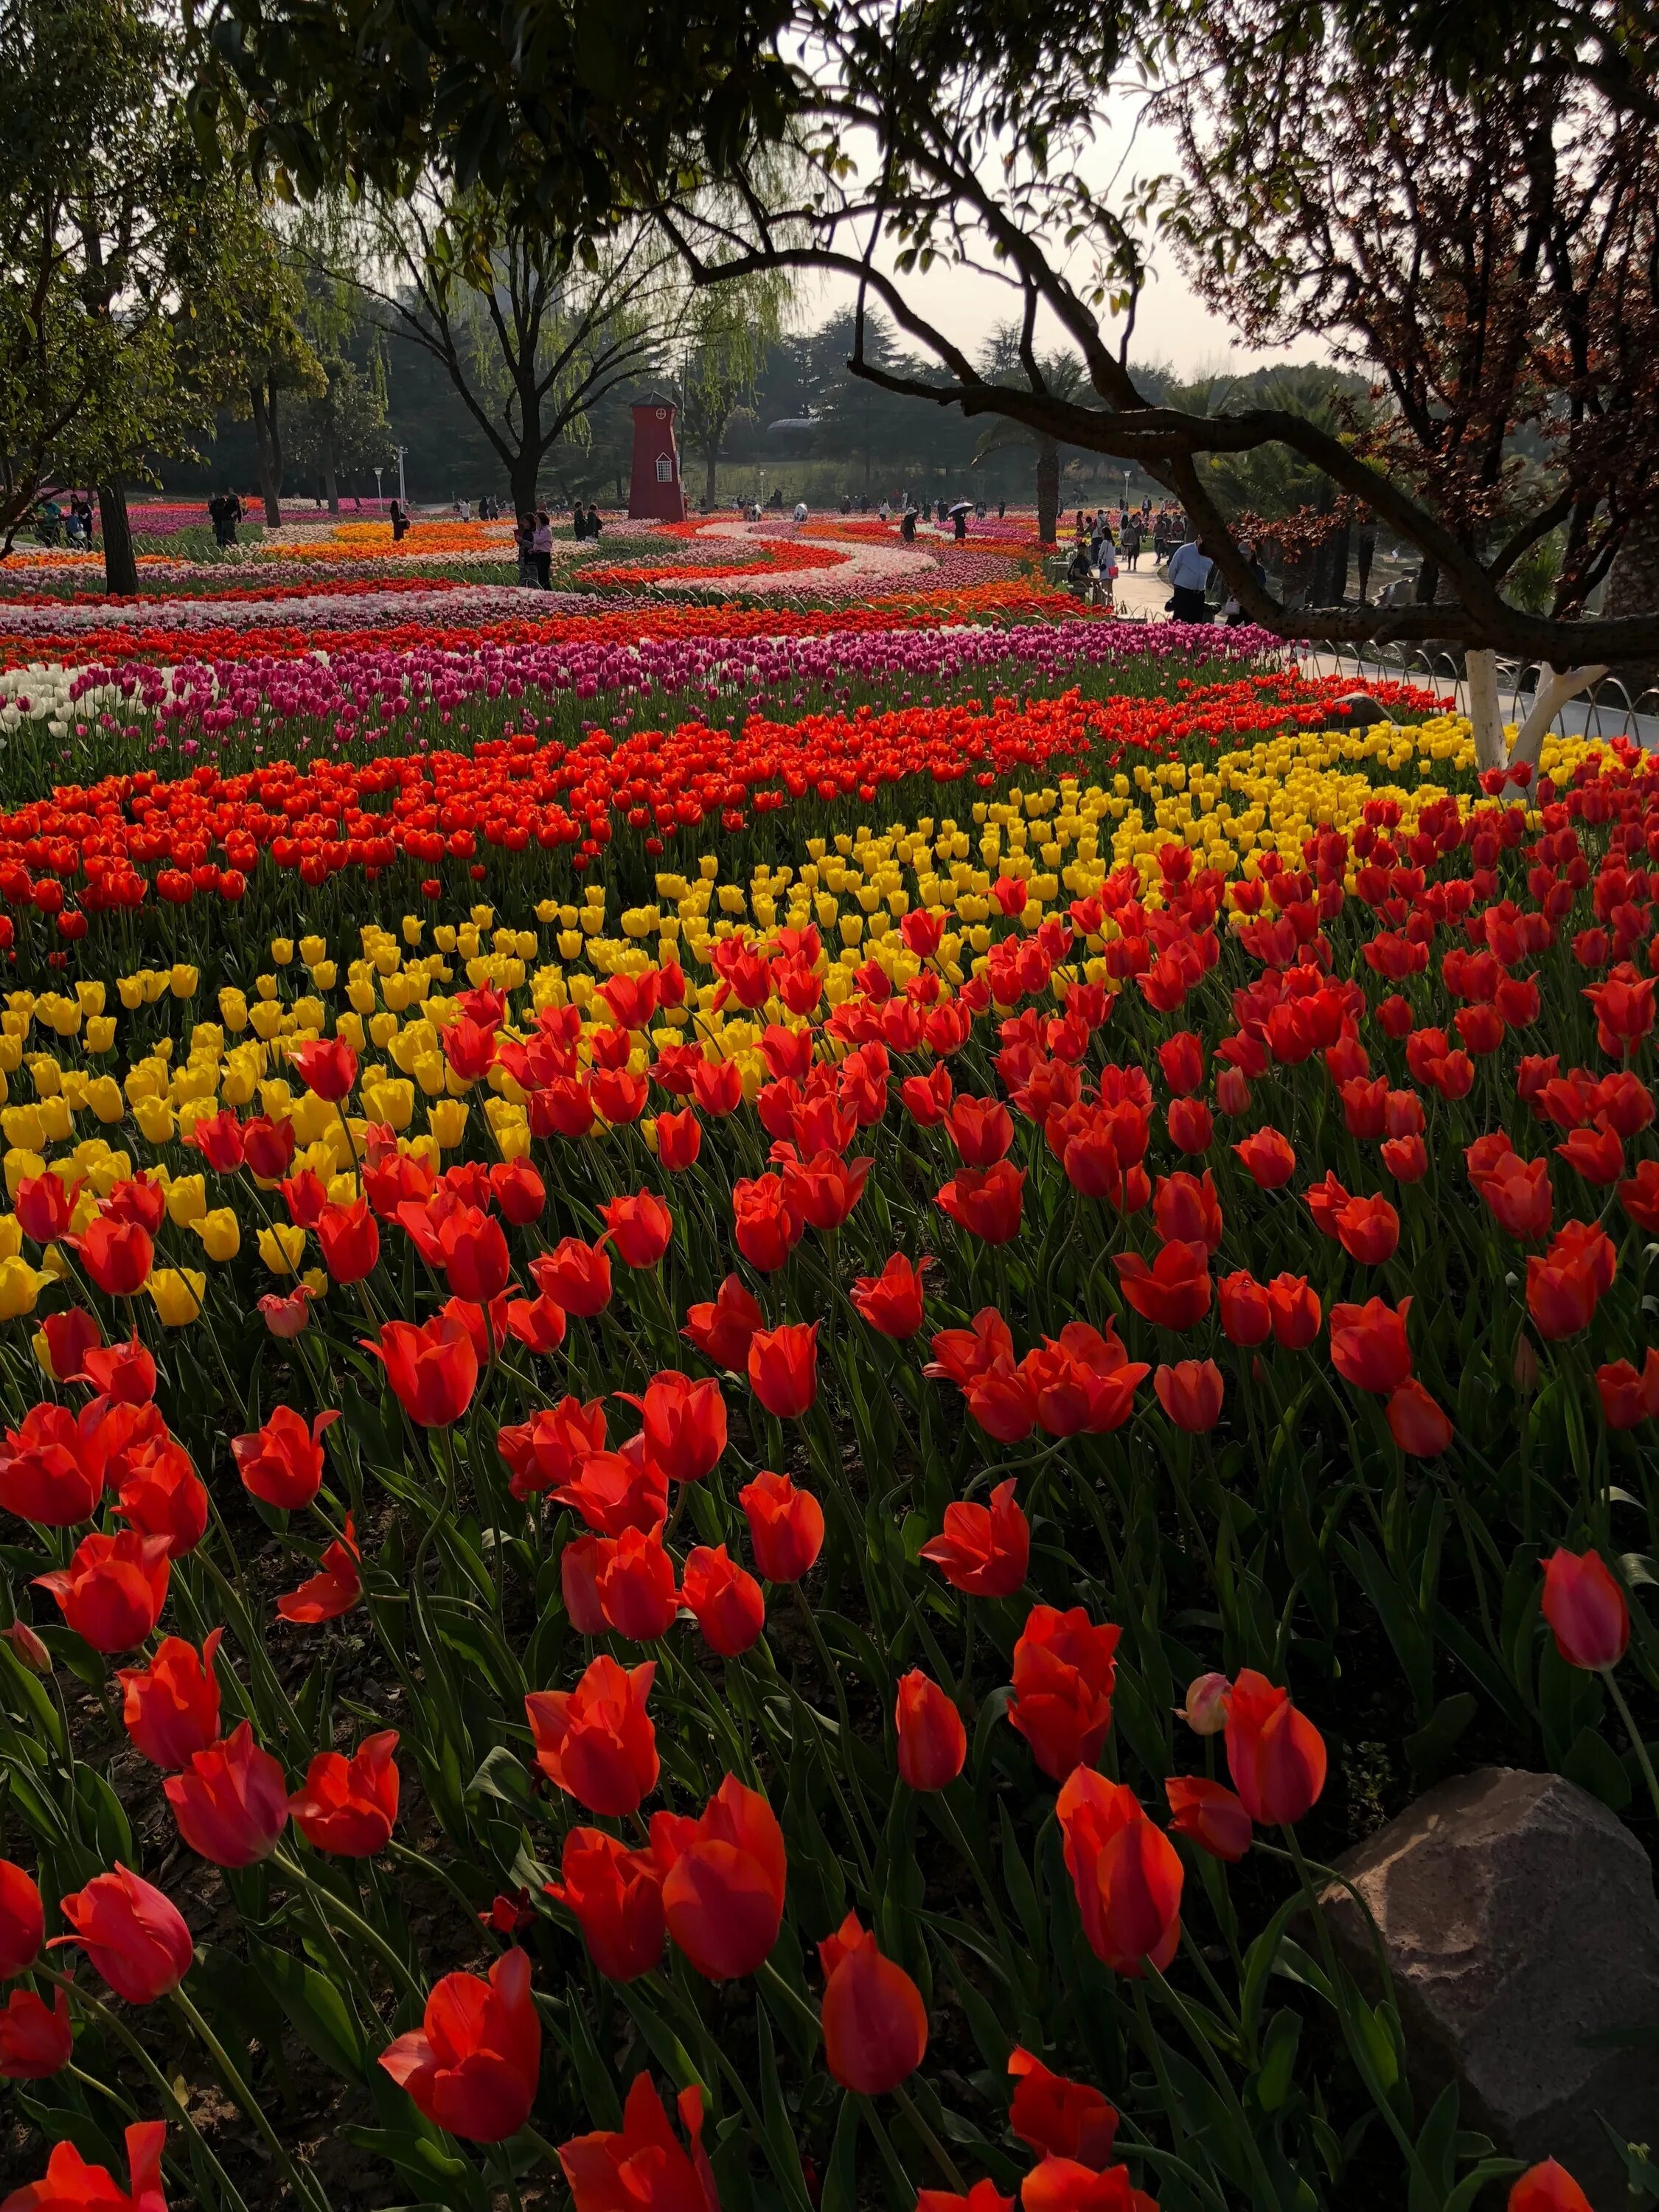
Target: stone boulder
(1519,1919)
(1361,709)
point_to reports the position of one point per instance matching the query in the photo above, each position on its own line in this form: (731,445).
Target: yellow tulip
(446,1119)
(221,1236)
(20,1286)
(178,1293)
(280,1247)
(183,979)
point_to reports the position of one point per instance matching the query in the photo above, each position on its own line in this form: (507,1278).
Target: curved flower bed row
(762,1501)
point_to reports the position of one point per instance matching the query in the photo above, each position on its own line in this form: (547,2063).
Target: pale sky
(1172,324)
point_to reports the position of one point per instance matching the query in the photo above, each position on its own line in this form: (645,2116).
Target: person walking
(524,536)
(399,522)
(541,547)
(1131,548)
(1189,573)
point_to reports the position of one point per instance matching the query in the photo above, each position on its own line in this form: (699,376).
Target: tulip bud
(1205,1707)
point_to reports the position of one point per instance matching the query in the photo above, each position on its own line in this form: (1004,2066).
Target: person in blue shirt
(1189,572)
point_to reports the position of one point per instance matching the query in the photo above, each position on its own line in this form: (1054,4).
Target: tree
(728,331)
(118,252)
(529,341)
(972,136)
(1062,374)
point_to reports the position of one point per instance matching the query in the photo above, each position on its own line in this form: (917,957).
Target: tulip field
(763,1359)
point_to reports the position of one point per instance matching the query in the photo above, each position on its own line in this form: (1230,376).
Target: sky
(1173,325)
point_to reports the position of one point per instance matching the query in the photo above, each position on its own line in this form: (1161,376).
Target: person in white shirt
(801,510)
(1189,572)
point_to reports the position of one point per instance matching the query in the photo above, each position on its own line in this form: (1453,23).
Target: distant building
(656,493)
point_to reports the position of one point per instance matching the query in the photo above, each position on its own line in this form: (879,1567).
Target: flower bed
(697,1479)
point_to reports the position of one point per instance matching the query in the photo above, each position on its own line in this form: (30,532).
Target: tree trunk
(267,438)
(1048,490)
(1633,589)
(120,565)
(522,478)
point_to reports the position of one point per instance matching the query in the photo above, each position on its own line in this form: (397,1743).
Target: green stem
(1635,1736)
(250,2104)
(931,2142)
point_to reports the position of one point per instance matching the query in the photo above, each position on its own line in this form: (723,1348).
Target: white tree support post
(1555,689)
(1491,744)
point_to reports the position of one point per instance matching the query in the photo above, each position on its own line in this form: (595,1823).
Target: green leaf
(1432,1745)
(1273,2080)
(841,2174)
(317,2012)
(1592,1764)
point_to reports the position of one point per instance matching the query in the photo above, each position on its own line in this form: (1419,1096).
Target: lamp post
(379,502)
(403,495)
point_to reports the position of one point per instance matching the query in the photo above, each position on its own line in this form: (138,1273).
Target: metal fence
(1608,709)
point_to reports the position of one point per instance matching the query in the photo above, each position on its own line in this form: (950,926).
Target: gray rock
(1360,709)
(1519,1919)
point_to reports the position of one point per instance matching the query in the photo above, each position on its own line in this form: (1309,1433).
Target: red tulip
(1191,1125)
(824,1190)
(684,1424)
(723,1885)
(1586,1611)
(1174,1292)
(1368,1346)
(1294,1305)
(350,1240)
(766,1226)
(123,1373)
(1518,1193)
(72,2185)
(1548,2188)
(891,1301)
(268,1147)
(1208,1815)
(537,1323)
(1127,1873)
(616,1489)
(1268,1158)
(576,1276)
(333,1591)
(1180,1060)
(473,2065)
(720,1330)
(932,1743)
(786,1526)
(36,2042)
(582,1561)
(875,2025)
(230,1800)
(171,1708)
(133,1936)
(616,1896)
(43,1206)
(52,1465)
(1065,1672)
(1628,1398)
(987,1202)
(519,1191)
(783,1367)
(1275,1754)
(725,1600)
(22,1920)
(282,1463)
(348,1806)
(1417,1424)
(1185,1210)
(1059,2118)
(432,1367)
(637,1592)
(70,1336)
(1190,1393)
(983,2196)
(1247,1316)
(112,1591)
(117,1254)
(160,1493)
(679,1140)
(641,2165)
(327,1065)
(639,1228)
(982,1129)
(597,1742)
(984,1551)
